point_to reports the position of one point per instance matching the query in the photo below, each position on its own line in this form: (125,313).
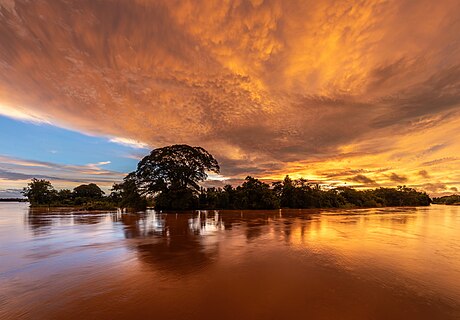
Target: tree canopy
(127,195)
(88,191)
(177,167)
(87,196)
(450,200)
(39,192)
(255,194)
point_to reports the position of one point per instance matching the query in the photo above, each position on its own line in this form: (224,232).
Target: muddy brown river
(392,263)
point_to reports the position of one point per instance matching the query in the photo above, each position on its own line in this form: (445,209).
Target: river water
(391,263)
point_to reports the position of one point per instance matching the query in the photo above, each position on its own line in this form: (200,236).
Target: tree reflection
(38,221)
(187,242)
(174,242)
(41,220)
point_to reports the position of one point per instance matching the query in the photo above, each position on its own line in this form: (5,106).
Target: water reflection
(172,242)
(388,259)
(188,242)
(41,220)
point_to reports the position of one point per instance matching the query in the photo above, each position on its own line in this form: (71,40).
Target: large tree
(172,173)
(88,191)
(40,192)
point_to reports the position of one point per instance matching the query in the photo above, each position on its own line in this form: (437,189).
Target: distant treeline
(168,179)
(255,194)
(451,200)
(251,194)
(13,200)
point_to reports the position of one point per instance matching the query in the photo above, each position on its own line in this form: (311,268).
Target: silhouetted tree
(39,192)
(294,193)
(65,197)
(402,196)
(172,174)
(217,198)
(255,194)
(91,191)
(452,199)
(127,195)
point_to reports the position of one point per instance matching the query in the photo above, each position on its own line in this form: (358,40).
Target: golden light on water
(287,262)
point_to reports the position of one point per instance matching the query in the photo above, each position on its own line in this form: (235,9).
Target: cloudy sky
(364,93)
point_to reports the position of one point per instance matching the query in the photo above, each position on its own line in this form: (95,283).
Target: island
(169,179)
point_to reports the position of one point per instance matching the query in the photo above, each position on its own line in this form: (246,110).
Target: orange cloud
(270,87)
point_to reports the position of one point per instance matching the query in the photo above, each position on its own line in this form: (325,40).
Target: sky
(360,93)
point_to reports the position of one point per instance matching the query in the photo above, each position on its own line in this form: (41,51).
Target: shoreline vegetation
(168,179)
(13,200)
(453,200)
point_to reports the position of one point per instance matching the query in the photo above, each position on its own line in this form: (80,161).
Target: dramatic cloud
(424,174)
(435,187)
(360,178)
(397,178)
(270,87)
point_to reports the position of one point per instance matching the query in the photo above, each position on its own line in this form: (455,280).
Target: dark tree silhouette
(91,191)
(127,195)
(172,174)
(87,196)
(255,194)
(450,200)
(39,192)
(175,167)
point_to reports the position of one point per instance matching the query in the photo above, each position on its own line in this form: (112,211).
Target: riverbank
(85,207)
(70,208)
